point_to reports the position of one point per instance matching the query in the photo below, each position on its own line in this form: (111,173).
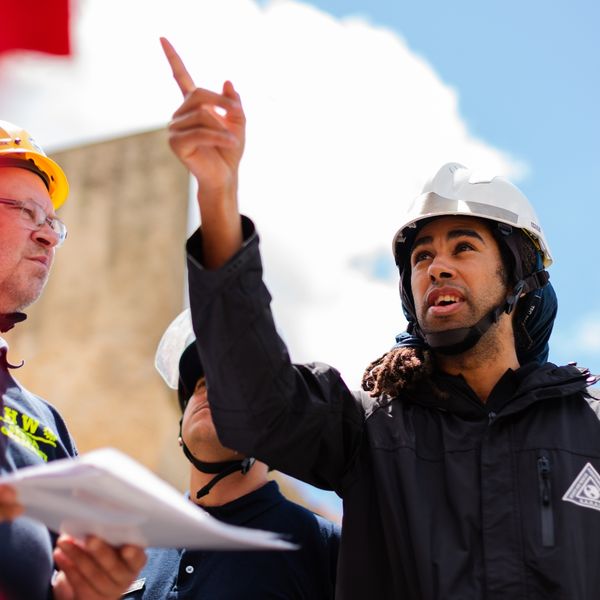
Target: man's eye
(28,213)
(420,256)
(462,246)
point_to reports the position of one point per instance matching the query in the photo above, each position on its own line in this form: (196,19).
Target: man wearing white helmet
(32,188)
(237,490)
(445,323)
(469,466)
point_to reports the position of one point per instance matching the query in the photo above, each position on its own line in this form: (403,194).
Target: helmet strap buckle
(512,299)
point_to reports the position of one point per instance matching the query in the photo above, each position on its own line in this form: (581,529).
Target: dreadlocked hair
(399,369)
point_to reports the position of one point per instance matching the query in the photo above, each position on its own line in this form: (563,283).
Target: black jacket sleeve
(300,419)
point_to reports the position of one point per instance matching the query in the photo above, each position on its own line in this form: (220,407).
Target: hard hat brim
(430,205)
(58,183)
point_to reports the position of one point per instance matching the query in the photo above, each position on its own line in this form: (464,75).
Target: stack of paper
(108,494)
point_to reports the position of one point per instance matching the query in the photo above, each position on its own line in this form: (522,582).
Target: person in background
(468,465)
(235,489)
(32,188)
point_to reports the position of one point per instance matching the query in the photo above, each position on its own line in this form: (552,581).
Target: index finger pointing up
(180,73)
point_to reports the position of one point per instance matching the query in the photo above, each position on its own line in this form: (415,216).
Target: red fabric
(41,25)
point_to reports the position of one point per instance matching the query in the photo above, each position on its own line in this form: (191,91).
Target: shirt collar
(247,507)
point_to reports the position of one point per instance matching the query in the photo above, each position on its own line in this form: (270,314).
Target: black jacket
(442,499)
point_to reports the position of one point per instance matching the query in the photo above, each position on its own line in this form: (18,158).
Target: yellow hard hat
(19,149)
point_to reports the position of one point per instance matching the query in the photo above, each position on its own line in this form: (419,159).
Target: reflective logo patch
(585,490)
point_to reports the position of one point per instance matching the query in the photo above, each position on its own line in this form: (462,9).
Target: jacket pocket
(544,469)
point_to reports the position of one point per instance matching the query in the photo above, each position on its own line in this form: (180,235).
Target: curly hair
(403,368)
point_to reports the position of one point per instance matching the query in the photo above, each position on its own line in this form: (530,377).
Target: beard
(476,309)
(21,293)
(487,345)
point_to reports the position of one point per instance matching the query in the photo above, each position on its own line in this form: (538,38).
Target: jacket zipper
(547,517)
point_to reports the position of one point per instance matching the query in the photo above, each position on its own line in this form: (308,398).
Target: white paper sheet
(108,494)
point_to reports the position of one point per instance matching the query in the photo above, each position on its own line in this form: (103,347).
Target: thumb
(61,588)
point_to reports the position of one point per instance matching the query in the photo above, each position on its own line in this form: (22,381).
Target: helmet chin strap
(457,341)
(219,469)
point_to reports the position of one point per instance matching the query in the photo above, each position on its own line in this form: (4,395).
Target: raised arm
(207,134)
(302,420)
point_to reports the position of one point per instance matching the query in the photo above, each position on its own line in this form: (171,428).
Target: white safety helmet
(457,190)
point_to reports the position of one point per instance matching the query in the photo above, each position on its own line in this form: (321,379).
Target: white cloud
(587,334)
(580,342)
(345,124)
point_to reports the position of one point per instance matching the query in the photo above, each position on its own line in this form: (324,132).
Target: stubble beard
(488,347)
(18,297)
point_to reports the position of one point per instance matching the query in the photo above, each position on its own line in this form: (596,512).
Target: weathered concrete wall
(117,282)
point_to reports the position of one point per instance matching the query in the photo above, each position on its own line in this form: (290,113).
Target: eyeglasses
(36,217)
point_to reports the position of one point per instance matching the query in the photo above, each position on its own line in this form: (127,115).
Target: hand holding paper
(92,569)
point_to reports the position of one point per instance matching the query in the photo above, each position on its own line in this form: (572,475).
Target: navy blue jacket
(31,432)
(444,498)
(307,573)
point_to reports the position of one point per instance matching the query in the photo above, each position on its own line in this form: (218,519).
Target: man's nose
(440,269)
(45,236)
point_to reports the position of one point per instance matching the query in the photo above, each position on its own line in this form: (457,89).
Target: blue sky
(527,75)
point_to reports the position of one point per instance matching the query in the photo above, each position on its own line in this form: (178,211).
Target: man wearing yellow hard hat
(32,188)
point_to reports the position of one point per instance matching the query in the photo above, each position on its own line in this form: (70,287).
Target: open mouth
(440,299)
(446,300)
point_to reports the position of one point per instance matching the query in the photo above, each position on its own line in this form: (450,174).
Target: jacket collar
(513,392)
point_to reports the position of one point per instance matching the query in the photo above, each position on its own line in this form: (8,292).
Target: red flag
(41,25)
